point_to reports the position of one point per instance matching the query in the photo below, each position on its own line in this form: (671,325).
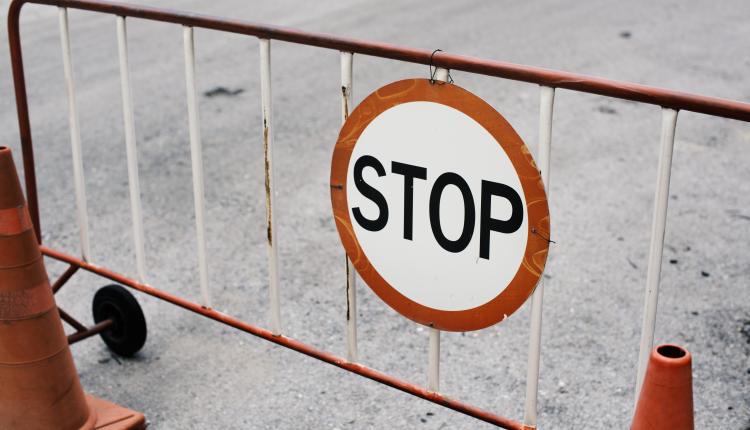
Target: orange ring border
(537,245)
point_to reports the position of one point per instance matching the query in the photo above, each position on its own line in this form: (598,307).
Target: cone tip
(5,154)
(671,354)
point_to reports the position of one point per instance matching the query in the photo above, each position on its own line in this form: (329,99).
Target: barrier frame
(548,80)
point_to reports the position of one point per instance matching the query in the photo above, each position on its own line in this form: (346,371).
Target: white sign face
(440,140)
(439,205)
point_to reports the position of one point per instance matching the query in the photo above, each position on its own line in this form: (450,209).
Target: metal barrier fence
(548,80)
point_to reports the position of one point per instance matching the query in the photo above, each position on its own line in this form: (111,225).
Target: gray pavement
(195,373)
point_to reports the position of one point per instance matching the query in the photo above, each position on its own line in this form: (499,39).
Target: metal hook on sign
(433,72)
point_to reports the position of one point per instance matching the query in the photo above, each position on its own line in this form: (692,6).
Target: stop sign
(439,205)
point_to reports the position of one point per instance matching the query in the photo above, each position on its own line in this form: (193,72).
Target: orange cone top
(666,399)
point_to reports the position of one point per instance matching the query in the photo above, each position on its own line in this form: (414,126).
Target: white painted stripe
(132,153)
(196,155)
(75,139)
(546,102)
(271,238)
(668,126)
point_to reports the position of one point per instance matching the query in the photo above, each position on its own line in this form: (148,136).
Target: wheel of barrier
(128,332)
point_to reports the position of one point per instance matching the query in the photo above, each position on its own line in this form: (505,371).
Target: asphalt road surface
(195,373)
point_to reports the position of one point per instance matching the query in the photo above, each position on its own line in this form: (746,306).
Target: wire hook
(433,72)
(534,231)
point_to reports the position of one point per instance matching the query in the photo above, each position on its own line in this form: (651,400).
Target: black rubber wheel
(128,333)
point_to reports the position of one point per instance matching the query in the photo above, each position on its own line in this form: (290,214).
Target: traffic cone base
(110,416)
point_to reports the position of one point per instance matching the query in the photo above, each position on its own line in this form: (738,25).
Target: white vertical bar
(75,139)
(347,62)
(351,280)
(658,226)
(196,155)
(433,362)
(131,150)
(546,102)
(273,255)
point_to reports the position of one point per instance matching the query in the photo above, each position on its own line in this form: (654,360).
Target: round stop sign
(439,205)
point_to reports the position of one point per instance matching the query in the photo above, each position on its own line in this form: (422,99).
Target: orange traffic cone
(39,386)
(666,400)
